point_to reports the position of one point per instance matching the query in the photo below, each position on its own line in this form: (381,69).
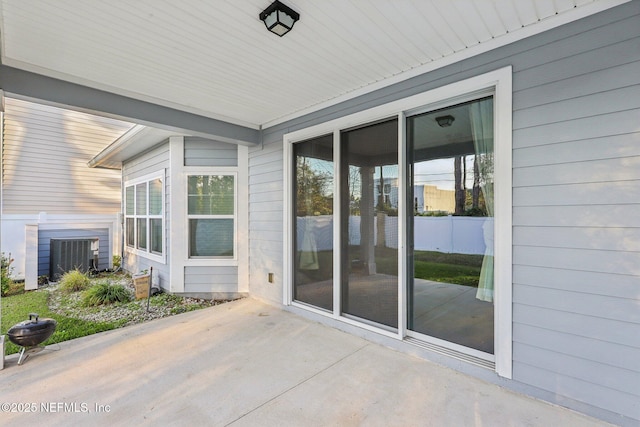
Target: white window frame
(497,83)
(212,260)
(145,253)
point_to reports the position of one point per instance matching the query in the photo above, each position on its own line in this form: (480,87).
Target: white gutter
(133,142)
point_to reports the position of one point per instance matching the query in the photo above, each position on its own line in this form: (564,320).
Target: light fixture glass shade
(445,121)
(279,29)
(278,18)
(271,19)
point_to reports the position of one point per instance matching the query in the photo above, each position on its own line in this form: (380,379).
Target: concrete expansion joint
(337,362)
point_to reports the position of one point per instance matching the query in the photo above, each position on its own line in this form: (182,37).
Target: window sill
(147,255)
(208,262)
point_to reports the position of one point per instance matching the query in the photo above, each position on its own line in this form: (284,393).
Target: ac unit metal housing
(70,254)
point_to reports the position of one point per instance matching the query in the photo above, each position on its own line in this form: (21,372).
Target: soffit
(136,140)
(216,58)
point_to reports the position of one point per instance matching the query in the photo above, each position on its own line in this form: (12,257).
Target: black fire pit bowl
(30,333)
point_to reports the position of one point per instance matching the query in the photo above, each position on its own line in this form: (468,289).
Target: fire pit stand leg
(28,351)
(20,361)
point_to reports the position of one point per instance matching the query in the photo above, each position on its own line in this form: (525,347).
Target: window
(155,216)
(313,194)
(211,211)
(143,215)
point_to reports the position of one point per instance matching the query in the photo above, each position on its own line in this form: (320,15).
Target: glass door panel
(450,293)
(313,240)
(369,223)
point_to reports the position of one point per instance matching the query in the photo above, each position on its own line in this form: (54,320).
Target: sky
(440,173)
(437,172)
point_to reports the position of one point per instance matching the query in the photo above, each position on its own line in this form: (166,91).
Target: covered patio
(234,102)
(249,363)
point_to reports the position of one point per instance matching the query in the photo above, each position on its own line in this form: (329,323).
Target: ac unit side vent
(70,254)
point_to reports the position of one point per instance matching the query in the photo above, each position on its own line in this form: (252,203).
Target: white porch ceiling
(216,59)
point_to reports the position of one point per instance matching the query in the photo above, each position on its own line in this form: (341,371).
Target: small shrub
(15,288)
(474,212)
(74,281)
(105,293)
(5,273)
(116,261)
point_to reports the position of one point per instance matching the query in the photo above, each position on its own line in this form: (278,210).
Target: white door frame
(498,83)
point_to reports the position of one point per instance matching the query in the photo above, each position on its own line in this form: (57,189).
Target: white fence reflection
(448,234)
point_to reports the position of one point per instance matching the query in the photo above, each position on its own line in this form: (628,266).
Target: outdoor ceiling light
(445,121)
(278,18)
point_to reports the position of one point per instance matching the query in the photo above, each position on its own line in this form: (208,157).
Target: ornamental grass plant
(74,281)
(105,293)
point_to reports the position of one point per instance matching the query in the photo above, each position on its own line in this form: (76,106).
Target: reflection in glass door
(450,293)
(369,223)
(313,219)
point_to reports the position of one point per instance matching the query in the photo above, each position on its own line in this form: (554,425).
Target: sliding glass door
(449,205)
(369,223)
(397,212)
(313,219)
(450,288)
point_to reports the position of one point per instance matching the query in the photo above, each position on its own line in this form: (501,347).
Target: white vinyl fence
(448,234)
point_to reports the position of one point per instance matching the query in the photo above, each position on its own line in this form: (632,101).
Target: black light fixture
(445,121)
(278,18)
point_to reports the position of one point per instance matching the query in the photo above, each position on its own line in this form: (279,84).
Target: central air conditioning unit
(70,254)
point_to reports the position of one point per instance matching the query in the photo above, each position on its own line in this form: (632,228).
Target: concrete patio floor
(246,363)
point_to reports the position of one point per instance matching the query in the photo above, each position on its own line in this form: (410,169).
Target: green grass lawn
(458,269)
(447,273)
(67,306)
(16,308)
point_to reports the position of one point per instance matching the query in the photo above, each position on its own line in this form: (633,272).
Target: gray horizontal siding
(621,215)
(584,150)
(602,331)
(609,170)
(265,220)
(205,152)
(614,76)
(584,128)
(588,282)
(210,279)
(582,390)
(576,204)
(151,161)
(602,375)
(267,196)
(268,161)
(45,120)
(622,356)
(273,226)
(589,104)
(44,158)
(590,238)
(578,302)
(587,193)
(570,59)
(44,248)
